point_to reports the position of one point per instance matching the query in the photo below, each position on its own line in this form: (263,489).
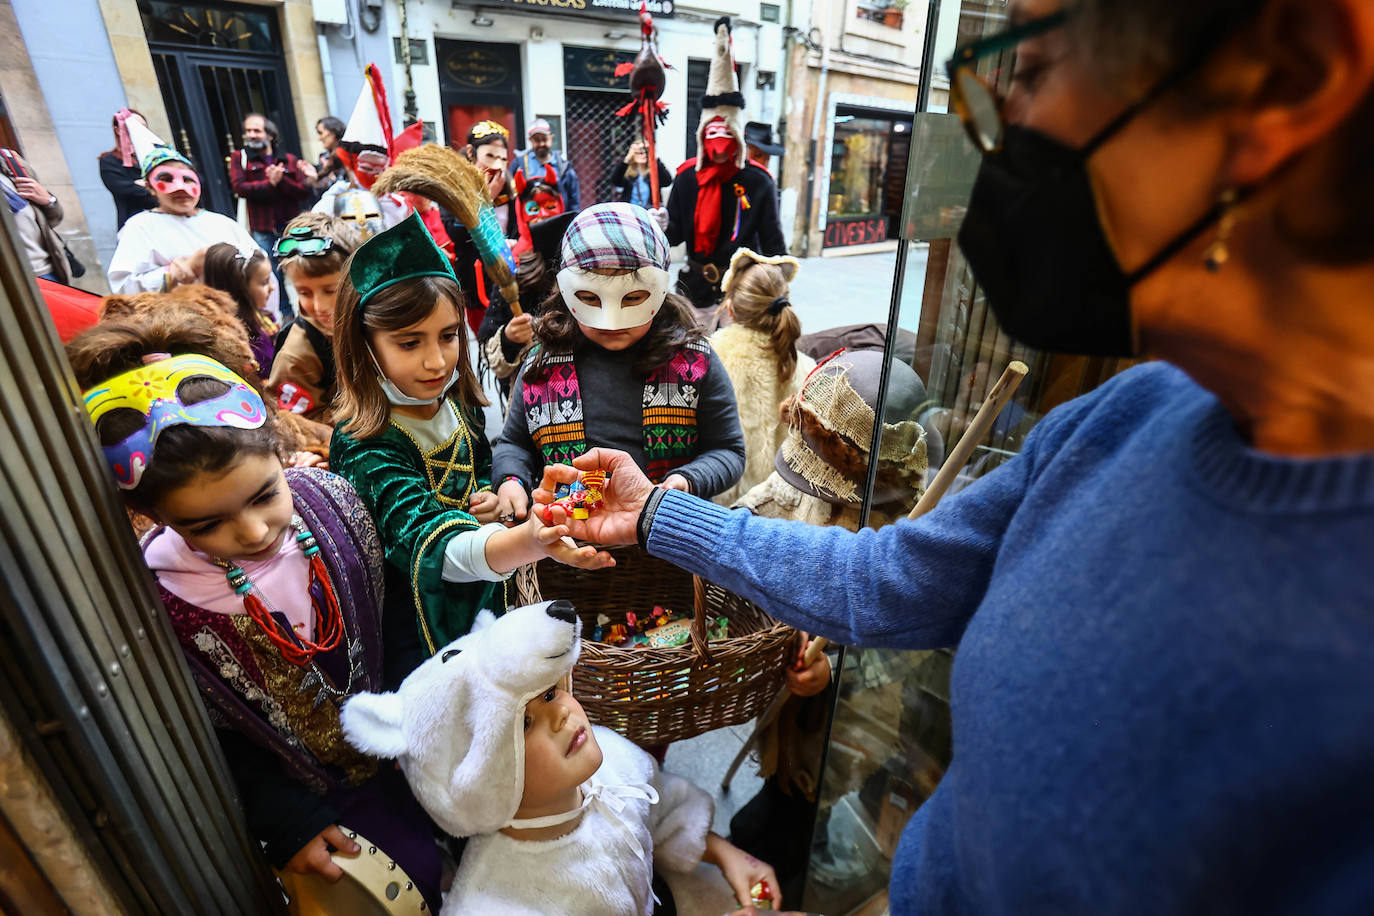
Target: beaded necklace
(328,621)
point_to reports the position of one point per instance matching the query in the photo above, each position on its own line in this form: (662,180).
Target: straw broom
(445,177)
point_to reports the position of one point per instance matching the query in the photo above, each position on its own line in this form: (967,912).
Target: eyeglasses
(302,241)
(976,100)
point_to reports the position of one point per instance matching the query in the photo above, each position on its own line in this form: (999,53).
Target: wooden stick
(654,195)
(982,421)
(813,652)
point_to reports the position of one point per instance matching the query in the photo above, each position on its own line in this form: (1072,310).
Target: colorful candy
(761,895)
(580,498)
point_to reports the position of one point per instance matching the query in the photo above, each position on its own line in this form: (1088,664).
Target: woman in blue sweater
(1163,699)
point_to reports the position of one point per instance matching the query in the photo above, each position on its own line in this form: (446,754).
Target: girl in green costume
(410,439)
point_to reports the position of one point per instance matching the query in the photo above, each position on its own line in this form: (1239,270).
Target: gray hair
(1132,43)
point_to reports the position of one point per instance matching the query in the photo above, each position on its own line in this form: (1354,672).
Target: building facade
(856,77)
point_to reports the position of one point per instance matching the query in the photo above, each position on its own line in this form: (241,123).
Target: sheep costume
(456,725)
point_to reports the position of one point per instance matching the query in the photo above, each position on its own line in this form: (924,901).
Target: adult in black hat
(758,140)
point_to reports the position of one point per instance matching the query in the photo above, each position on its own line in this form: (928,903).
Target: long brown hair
(753,297)
(114,347)
(360,400)
(226,269)
(673,328)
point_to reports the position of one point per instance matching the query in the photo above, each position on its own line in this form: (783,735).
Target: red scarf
(710,179)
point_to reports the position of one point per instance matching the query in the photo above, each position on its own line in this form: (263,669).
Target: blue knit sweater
(1163,699)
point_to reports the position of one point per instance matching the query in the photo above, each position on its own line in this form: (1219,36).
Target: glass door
(891,736)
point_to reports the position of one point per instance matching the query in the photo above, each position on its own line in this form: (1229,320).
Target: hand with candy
(626,490)
(579,498)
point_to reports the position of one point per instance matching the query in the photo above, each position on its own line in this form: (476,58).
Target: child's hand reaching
(485,507)
(676,482)
(812,679)
(551,541)
(741,870)
(513,502)
(315,856)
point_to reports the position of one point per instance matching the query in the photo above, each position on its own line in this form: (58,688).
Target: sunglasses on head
(302,241)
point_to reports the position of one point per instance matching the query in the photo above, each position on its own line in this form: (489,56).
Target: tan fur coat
(753,371)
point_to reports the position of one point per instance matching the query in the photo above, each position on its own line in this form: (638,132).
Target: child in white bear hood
(565,817)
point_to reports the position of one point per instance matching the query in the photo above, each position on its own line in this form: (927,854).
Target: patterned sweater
(611,394)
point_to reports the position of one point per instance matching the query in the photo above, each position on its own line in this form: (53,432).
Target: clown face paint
(615,303)
(542,205)
(177,188)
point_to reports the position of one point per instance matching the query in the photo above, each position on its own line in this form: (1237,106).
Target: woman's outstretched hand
(617,520)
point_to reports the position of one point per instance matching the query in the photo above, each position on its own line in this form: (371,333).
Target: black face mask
(1035,243)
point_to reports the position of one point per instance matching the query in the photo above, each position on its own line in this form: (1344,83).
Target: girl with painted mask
(271,580)
(1165,676)
(409,437)
(165,247)
(620,363)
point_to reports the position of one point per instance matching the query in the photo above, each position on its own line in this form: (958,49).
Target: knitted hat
(456,724)
(723,98)
(617,235)
(830,425)
(403,252)
(149,149)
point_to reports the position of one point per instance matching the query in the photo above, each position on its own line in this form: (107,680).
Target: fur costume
(456,727)
(297,432)
(753,367)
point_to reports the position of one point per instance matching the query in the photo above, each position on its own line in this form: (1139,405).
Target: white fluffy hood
(456,725)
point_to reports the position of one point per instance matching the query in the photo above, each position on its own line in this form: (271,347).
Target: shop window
(867,173)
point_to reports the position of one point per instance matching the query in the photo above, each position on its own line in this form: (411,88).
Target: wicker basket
(657,695)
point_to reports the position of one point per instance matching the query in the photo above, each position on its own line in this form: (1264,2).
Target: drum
(372,885)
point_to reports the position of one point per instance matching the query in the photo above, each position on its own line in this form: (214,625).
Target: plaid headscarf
(618,235)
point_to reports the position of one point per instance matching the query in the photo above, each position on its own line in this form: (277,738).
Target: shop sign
(594,68)
(473,66)
(863,230)
(620,9)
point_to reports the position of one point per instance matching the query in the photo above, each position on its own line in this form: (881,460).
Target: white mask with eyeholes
(612,314)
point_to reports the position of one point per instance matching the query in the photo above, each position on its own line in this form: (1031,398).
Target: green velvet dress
(419,501)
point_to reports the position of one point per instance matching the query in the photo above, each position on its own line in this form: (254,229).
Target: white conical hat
(149,149)
(364,124)
(723,98)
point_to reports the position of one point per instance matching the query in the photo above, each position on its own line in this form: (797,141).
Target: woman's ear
(1309,65)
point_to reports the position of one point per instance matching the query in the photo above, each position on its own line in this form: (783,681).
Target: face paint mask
(169,180)
(542,205)
(398,398)
(611,315)
(153,391)
(1034,239)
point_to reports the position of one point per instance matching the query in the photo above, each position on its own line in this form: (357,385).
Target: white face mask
(611,315)
(398,398)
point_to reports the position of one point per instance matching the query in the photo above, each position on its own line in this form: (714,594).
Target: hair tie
(777,305)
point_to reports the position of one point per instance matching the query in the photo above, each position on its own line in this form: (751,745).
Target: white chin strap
(611,315)
(612,800)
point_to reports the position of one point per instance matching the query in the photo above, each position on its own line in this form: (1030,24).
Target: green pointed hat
(403,252)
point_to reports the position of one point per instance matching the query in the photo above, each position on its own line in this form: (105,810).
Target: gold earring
(1219,252)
